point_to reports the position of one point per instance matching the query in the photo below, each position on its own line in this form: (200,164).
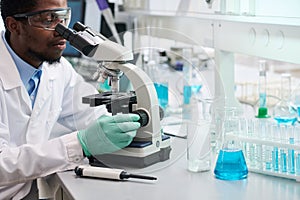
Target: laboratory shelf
(287,21)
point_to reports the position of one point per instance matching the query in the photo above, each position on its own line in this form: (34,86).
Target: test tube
(297,143)
(297,163)
(268,157)
(291,152)
(283,152)
(276,137)
(262,84)
(250,154)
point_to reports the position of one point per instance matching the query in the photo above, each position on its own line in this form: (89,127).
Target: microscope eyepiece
(64,31)
(79,26)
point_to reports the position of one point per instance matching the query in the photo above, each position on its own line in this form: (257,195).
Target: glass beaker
(231,164)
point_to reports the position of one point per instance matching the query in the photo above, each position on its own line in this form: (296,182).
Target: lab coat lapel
(36,131)
(44,92)
(9,74)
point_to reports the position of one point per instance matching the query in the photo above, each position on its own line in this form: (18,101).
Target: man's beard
(43,58)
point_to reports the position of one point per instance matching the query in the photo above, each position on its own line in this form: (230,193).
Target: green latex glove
(109,134)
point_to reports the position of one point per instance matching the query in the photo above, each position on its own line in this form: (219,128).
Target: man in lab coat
(39,89)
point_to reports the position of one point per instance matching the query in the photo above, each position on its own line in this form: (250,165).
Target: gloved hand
(109,134)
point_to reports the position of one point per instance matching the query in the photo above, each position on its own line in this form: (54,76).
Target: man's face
(35,44)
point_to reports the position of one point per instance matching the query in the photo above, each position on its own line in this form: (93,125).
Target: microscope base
(129,160)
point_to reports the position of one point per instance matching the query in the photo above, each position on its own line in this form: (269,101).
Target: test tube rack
(270,157)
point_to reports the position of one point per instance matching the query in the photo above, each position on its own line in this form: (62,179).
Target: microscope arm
(146,100)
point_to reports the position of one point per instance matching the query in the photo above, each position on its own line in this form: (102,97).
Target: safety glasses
(47,19)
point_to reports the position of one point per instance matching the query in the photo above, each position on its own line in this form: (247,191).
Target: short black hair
(12,7)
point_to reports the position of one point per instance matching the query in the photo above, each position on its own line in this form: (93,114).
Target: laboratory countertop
(176,182)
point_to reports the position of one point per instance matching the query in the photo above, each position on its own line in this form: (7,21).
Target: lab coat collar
(9,74)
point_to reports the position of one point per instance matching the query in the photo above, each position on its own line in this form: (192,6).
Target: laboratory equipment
(262,121)
(108,173)
(262,84)
(279,155)
(296,101)
(187,75)
(198,146)
(150,145)
(283,112)
(160,73)
(107,14)
(261,132)
(231,164)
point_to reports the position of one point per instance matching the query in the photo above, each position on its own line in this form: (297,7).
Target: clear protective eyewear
(47,19)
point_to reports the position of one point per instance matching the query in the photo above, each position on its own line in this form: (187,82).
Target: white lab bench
(176,182)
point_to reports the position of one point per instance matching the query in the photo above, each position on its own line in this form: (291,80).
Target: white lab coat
(29,146)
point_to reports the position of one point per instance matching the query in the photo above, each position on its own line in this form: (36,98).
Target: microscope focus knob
(144,118)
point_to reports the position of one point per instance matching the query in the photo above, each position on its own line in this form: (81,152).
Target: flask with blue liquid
(283,111)
(231,164)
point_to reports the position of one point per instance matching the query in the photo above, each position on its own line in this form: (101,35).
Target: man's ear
(13,25)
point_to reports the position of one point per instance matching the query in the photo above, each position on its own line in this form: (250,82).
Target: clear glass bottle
(160,75)
(283,112)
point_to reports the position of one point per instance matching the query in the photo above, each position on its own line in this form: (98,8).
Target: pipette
(108,173)
(107,14)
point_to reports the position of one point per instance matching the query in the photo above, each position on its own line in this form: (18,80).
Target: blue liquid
(291,156)
(275,159)
(268,155)
(162,94)
(196,88)
(287,121)
(187,94)
(231,165)
(268,165)
(262,100)
(283,160)
(298,164)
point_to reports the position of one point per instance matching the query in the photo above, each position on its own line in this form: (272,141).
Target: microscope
(150,145)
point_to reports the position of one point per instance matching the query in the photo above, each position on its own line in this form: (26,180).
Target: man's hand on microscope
(108,134)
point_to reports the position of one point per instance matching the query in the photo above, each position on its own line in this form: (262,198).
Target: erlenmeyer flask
(231,164)
(283,111)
